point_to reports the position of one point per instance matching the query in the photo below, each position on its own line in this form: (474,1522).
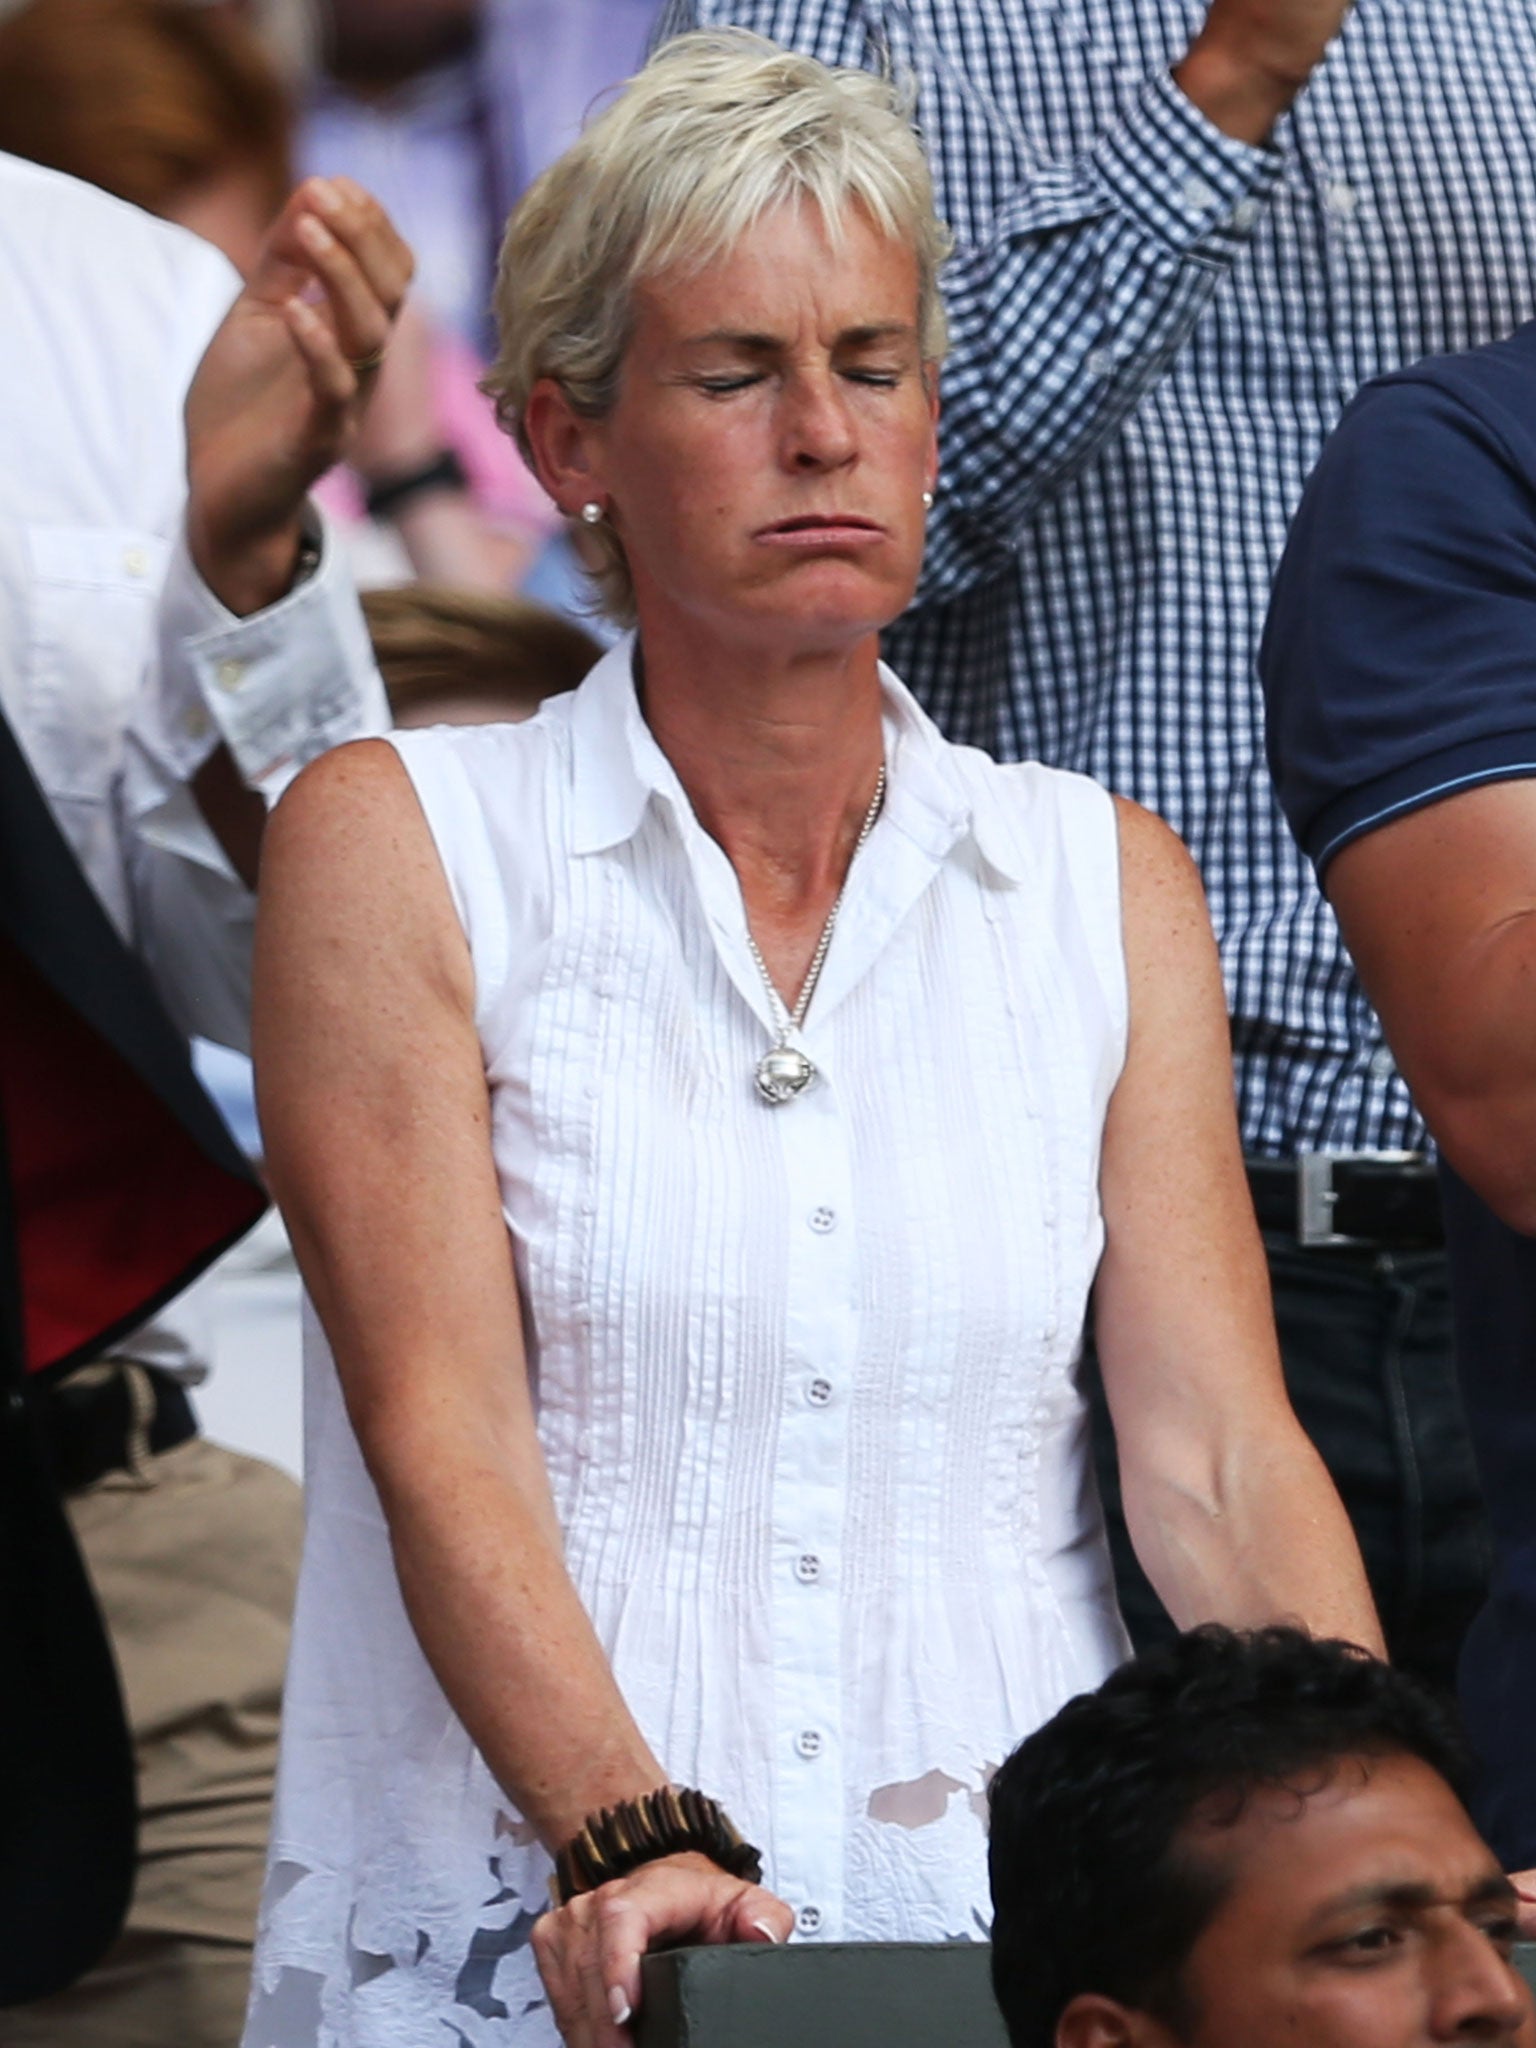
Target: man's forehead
(1354,1824)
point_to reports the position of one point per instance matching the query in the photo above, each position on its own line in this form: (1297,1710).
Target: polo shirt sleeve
(1399,657)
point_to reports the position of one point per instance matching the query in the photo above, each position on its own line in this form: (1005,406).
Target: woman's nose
(818,425)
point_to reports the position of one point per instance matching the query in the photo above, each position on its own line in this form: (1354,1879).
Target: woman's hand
(589,1951)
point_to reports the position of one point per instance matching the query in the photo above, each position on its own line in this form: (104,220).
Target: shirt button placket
(821,1341)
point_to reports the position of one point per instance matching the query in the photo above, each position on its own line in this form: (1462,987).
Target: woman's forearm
(501,1624)
(377,1119)
(1257,1534)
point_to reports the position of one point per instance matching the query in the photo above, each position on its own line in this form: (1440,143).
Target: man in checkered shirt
(1184,239)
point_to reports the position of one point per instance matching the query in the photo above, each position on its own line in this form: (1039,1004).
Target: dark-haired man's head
(1243,1841)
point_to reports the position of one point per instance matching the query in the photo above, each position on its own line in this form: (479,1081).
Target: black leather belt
(1388,1199)
(87,1423)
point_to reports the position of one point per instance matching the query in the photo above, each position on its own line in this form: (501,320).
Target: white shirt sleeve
(120,672)
(277,688)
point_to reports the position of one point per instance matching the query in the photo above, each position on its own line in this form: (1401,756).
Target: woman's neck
(778,756)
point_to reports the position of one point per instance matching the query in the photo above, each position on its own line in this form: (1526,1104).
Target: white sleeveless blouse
(805,1374)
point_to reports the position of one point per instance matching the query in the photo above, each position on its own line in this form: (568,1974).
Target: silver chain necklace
(784,1072)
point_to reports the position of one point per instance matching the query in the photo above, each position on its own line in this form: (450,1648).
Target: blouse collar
(619,769)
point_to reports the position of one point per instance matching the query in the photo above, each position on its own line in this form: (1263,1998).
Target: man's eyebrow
(1494,1888)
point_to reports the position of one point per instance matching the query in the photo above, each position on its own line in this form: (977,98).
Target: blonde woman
(701,1113)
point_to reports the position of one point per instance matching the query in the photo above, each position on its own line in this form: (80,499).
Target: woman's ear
(562,441)
(931,387)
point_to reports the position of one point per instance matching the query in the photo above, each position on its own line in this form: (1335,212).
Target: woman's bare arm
(376,1120)
(1231,1511)
(377,1128)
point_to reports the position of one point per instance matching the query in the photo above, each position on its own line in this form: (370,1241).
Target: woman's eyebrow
(743,340)
(864,336)
(874,332)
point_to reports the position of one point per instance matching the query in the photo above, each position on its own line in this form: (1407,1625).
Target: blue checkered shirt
(1154,327)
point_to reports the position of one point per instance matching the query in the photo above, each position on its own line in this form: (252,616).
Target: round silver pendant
(782,1074)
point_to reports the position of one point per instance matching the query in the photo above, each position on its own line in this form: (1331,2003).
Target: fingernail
(618,2005)
(315,233)
(327,198)
(767,1932)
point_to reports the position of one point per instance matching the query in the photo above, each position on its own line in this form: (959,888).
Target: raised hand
(1252,57)
(278,396)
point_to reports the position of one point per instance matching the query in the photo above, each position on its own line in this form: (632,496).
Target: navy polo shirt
(1399,658)
(1399,667)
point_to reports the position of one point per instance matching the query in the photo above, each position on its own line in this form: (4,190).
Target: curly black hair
(1092,1889)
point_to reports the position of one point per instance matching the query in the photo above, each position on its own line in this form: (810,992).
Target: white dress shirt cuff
(278,688)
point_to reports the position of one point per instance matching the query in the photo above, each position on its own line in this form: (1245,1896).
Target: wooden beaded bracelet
(666,1822)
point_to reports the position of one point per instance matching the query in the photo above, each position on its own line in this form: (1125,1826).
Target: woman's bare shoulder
(359,781)
(1158,877)
(349,863)
(353,811)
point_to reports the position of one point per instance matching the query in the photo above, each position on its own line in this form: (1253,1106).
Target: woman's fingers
(589,1952)
(611,1968)
(588,1955)
(625,1930)
(558,1944)
(760,1915)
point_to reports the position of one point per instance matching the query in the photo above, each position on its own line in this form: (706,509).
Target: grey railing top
(833,1995)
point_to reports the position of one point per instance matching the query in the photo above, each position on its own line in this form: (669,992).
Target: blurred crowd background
(207,112)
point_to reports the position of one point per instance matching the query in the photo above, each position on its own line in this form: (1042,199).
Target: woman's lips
(821,530)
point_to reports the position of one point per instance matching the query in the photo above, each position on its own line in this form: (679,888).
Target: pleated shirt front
(805,1375)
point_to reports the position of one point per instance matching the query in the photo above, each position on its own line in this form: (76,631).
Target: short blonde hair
(720,128)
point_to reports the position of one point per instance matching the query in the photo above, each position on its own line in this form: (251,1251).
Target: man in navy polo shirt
(1399,669)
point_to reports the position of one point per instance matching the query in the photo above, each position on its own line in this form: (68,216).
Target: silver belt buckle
(1316,1194)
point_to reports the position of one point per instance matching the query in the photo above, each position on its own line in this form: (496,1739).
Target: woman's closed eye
(724,386)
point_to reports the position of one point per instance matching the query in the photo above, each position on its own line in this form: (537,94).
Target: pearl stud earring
(927,501)
(591,512)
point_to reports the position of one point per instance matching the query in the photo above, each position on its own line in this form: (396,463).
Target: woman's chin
(832,595)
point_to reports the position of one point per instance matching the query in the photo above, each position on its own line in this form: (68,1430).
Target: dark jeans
(1366,1341)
